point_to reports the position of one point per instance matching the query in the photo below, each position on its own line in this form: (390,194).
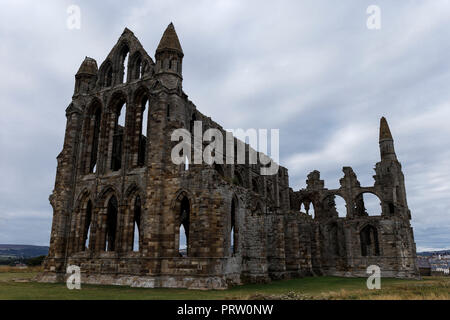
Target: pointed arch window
(124,55)
(136,245)
(184,221)
(137,67)
(118,135)
(143,131)
(87,226)
(95,131)
(111,224)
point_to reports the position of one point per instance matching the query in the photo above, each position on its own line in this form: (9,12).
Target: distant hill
(17,251)
(433,253)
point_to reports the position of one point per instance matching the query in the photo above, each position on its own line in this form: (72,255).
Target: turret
(169,57)
(387,150)
(86,76)
(389,177)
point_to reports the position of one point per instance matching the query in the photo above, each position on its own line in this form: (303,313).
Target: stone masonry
(120,205)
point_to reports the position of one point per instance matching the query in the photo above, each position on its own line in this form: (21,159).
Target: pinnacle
(170,40)
(385,132)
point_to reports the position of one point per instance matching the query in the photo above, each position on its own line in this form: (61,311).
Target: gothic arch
(111,222)
(140,94)
(132,191)
(108,204)
(93,105)
(136,66)
(83,221)
(117,99)
(83,196)
(91,136)
(360,204)
(122,62)
(133,218)
(118,106)
(182,209)
(310,206)
(141,106)
(180,194)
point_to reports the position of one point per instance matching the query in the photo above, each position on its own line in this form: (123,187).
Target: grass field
(17,284)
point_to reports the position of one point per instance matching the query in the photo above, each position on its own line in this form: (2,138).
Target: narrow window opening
(183,246)
(119,129)
(95,139)
(309,208)
(121,120)
(124,64)
(233,233)
(87,226)
(111,224)
(143,135)
(137,224)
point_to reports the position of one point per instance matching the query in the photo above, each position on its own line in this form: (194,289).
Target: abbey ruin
(121,207)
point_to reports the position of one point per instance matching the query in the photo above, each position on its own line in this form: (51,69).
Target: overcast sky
(309,68)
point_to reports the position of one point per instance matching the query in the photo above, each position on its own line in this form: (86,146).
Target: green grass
(18,285)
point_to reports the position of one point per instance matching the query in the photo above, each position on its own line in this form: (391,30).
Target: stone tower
(389,176)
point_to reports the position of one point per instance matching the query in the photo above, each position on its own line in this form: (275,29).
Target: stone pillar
(62,197)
